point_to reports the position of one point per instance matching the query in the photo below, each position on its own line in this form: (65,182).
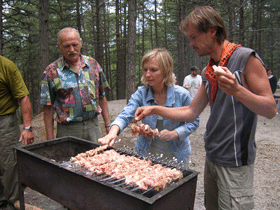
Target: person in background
(193,81)
(237,92)
(73,91)
(176,83)
(13,93)
(272,80)
(278,83)
(158,89)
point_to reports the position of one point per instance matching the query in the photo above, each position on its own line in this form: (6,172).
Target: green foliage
(21,32)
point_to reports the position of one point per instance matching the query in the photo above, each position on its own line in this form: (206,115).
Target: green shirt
(12,86)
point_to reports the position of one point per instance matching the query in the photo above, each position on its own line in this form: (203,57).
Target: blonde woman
(158,89)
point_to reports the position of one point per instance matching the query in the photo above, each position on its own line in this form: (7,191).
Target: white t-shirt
(194,83)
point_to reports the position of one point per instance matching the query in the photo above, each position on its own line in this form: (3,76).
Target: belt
(76,122)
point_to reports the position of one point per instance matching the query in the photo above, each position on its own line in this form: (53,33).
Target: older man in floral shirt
(73,91)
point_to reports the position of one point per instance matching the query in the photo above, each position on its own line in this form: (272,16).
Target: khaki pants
(9,136)
(88,130)
(228,187)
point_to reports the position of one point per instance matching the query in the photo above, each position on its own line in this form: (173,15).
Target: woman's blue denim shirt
(177,96)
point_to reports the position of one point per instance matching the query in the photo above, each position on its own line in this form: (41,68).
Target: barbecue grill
(41,168)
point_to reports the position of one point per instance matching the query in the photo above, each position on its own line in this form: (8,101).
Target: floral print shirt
(74,96)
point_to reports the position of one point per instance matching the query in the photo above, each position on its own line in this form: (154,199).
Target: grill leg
(21,190)
(21,196)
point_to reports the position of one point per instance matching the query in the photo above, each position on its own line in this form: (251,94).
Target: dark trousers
(9,136)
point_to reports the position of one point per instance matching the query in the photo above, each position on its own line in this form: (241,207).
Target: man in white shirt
(193,81)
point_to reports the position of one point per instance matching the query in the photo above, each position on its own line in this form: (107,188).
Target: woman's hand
(111,137)
(186,86)
(108,140)
(166,135)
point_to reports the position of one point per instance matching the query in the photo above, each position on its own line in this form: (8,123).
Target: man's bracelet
(107,126)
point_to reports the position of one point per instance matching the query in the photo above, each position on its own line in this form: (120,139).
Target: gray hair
(67,30)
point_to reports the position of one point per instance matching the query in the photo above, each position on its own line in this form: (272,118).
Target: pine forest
(117,33)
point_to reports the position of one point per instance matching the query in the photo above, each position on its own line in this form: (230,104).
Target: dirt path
(267,169)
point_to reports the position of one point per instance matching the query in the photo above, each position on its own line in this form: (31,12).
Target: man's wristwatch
(28,128)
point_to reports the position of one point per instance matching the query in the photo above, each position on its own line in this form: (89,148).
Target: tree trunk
(43,42)
(241,24)
(130,86)
(151,30)
(143,45)
(93,29)
(259,27)
(230,21)
(99,43)
(165,27)
(120,72)
(252,37)
(78,19)
(124,50)
(181,44)
(43,35)
(107,66)
(156,24)
(1,27)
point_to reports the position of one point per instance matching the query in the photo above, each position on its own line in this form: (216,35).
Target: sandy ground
(267,169)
